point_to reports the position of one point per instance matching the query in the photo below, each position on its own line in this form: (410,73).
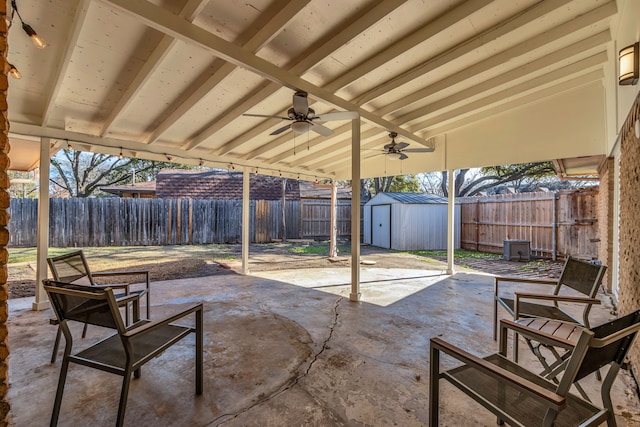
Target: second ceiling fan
(302,117)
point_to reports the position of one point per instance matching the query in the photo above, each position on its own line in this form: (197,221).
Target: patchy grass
(458,254)
(318,249)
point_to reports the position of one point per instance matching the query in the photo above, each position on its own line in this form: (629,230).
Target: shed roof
(416,198)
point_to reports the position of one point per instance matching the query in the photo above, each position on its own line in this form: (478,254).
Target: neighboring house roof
(186,184)
(309,191)
(415,198)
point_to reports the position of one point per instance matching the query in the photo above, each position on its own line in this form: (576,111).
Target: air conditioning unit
(516,250)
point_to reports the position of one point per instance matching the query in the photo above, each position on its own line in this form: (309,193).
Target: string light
(14,72)
(69,147)
(200,163)
(120,156)
(35,38)
(169,157)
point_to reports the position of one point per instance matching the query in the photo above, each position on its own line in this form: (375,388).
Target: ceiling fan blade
(300,103)
(322,130)
(389,146)
(403,156)
(267,116)
(280,130)
(338,115)
(401,145)
(419,150)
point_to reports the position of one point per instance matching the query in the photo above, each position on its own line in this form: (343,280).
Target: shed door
(381,226)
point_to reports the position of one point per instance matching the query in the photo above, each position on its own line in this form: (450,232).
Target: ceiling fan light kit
(394,156)
(300,127)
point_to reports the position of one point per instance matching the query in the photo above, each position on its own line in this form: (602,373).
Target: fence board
(488,221)
(145,222)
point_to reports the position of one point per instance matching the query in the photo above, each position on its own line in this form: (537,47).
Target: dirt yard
(173,262)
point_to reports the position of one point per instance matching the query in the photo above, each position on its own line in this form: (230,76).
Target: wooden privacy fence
(124,222)
(561,223)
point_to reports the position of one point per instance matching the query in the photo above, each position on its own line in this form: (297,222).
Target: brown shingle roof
(174,184)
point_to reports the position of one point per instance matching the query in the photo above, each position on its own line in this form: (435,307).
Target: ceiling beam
(505,56)
(451,17)
(65,59)
(280,16)
(162,49)
(580,67)
(536,96)
(113,146)
(162,20)
(350,29)
(519,20)
(551,60)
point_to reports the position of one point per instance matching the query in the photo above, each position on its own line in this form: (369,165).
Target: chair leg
(84,330)
(199,352)
(58,401)
(434,386)
(56,345)
(126,381)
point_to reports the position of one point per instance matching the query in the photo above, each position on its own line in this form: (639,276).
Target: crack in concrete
(291,381)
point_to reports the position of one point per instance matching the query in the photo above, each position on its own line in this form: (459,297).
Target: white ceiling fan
(302,117)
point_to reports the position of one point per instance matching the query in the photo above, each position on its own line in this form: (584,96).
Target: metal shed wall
(414,226)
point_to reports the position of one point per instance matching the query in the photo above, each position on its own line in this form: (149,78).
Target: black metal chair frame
(84,273)
(577,276)
(124,352)
(518,396)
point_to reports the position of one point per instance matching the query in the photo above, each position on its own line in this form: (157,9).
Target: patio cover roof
(484,82)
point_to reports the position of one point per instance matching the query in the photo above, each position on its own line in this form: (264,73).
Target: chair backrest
(71,267)
(87,304)
(610,343)
(582,276)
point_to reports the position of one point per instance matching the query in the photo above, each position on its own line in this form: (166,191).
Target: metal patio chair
(72,267)
(124,352)
(577,285)
(520,397)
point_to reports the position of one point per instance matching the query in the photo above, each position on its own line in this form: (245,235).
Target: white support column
(451,221)
(246,226)
(333,238)
(41,301)
(355,210)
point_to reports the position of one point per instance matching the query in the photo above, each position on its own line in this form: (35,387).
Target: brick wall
(4,221)
(630,223)
(605,219)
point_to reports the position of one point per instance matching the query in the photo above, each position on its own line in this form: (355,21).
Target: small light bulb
(14,72)
(120,156)
(35,38)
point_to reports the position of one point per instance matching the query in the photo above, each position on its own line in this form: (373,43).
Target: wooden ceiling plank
(65,59)
(380,58)
(506,55)
(476,42)
(467,110)
(265,33)
(160,19)
(188,12)
(512,75)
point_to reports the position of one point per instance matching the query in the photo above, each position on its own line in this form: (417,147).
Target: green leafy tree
(80,174)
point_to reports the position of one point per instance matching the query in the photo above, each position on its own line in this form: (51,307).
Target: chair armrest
(156,323)
(123,273)
(559,298)
(495,371)
(535,334)
(498,279)
(119,273)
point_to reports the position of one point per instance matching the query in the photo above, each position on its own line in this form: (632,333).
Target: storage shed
(408,221)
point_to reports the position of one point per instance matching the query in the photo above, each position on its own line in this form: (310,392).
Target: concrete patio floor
(287,348)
